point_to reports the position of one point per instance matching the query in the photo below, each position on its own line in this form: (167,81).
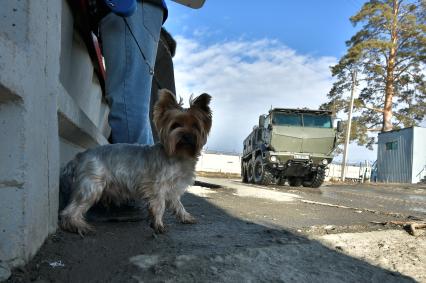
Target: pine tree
(389,55)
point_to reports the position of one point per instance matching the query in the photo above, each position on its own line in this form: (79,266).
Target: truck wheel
(244,172)
(294,181)
(317,179)
(280,181)
(249,172)
(261,174)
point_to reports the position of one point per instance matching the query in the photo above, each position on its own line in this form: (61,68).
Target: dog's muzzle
(188,139)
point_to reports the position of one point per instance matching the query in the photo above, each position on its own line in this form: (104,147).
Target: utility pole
(348,128)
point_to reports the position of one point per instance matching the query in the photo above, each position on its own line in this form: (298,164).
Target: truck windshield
(317,121)
(285,119)
(299,120)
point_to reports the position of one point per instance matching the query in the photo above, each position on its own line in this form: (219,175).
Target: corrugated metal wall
(394,165)
(419,155)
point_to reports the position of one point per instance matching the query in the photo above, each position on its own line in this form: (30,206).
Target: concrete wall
(219,163)
(50,108)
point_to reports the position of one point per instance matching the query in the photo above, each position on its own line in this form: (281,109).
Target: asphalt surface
(410,200)
(249,233)
(352,206)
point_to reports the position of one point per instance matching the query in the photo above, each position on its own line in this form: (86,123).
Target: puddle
(265,194)
(200,191)
(417,198)
(418,209)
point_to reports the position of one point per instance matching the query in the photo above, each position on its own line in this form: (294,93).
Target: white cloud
(246,78)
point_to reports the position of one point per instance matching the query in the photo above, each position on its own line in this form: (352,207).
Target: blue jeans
(128,80)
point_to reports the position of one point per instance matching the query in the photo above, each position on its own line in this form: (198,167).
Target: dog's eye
(175,125)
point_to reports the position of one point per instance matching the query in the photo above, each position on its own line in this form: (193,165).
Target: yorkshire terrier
(160,174)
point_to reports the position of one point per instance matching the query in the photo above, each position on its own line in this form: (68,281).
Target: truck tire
(261,174)
(294,181)
(244,172)
(317,179)
(249,171)
(280,181)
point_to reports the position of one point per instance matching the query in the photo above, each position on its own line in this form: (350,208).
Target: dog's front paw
(188,219)
(158,228)
(78,226)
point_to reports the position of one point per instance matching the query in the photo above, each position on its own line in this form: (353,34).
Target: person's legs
(128,87)
(128,81)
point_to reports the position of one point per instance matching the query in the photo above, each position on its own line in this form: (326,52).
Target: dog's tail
(65,183)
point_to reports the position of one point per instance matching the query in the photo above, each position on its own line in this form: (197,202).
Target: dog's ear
(202,102)
(166,99)
(202,105)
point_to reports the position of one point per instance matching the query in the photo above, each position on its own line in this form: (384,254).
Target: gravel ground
(244,234)
(393,250)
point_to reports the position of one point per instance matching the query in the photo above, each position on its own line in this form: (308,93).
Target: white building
(217,162)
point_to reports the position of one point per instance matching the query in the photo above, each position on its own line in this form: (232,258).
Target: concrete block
(79,83)
(13,15)
(68,151)
(75,126)
(36,61)
(12,141)
(4,271)
(5,94)
(12,58)
(12,225)
(29,152)
(77,73)
(67,31)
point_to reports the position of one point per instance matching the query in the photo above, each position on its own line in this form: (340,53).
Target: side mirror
(339,126)
(261,121)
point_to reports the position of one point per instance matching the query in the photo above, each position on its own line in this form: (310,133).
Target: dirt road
(247,233)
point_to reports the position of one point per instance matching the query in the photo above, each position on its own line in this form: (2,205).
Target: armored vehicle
(290,144)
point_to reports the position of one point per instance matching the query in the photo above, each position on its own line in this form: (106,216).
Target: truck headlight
(273,158)
(324,161)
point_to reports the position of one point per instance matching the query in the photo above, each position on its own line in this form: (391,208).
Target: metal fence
(357,173)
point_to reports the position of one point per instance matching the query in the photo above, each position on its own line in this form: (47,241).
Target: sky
(253,55)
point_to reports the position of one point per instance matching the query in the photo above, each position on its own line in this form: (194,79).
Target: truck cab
(290,144)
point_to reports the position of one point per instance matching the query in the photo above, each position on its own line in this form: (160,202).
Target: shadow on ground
(220,248)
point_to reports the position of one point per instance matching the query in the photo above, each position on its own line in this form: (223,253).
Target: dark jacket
(163,71)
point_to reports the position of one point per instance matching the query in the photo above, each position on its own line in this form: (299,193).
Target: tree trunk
(390,79)
(387,110)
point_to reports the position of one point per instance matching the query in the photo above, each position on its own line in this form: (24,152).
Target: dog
(160,173)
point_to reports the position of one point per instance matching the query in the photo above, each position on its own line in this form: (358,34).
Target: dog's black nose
(188,138)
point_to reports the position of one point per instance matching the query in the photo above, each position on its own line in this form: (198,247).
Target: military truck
(293,145)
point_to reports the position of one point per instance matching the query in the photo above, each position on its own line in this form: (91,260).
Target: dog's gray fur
(118,173)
